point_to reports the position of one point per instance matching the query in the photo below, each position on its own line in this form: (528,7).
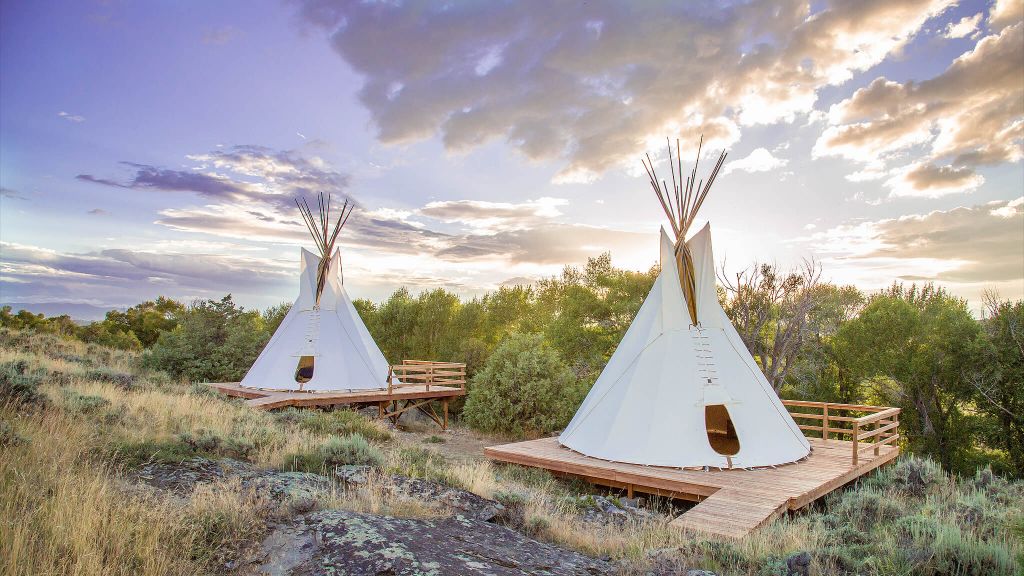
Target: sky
(156,148)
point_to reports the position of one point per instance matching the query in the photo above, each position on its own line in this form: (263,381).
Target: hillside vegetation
(956,377)
(78,422)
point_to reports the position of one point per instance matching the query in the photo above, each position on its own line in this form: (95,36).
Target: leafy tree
(999,382)
(524,389)
(145,320)
(212,341)
(909,348)
(394,326)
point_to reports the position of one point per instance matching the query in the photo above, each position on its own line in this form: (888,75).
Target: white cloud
(965,27)
(71,117)
(591,90)
(968,248)
(970,115)
(760,160)
(929,181)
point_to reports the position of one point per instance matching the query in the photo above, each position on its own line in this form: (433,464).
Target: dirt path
(457,444)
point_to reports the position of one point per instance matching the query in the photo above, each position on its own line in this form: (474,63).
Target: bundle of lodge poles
(682,211)
(323,235)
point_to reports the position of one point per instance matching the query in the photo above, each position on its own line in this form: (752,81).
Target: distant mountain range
(78,312)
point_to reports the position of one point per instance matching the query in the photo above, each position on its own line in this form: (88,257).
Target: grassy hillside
(78,420)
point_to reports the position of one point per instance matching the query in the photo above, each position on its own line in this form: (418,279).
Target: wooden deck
(412,385)
(731,503)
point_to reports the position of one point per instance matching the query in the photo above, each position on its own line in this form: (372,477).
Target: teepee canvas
(322,344)
(681,389)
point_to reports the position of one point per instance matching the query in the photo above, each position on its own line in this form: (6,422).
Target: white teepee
(679,383)
(322,333)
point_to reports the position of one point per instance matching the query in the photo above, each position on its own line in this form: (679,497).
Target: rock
(462,502)
(798,564)
(301,489)
(352,474)
(362,544)
(601,510)
(663,562)
(286,547)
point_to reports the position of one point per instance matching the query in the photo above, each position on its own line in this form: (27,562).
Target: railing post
(391,370)
(878,435)
(856,437)
(430,376)
(824,423)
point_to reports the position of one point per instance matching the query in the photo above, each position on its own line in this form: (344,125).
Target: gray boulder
(361,544)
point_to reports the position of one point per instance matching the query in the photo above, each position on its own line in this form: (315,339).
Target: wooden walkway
(733,503)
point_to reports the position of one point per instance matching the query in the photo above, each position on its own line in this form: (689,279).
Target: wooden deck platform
(421,384)
(731,503)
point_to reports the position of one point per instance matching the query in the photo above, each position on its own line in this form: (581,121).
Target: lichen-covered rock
(182,477)
(361,544)
(612,511)
(460,501)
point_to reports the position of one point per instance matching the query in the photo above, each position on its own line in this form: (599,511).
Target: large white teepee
(322,343)
(683,391)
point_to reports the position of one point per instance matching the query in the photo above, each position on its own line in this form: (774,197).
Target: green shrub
(417,462)
(523,389)
(8,435)
(957,553)
(352,449)
(208,443)
(19,386)
(75,401)
(334,423)
(118,378)
(535,526)
(866,508)
(434,439)
(514,503)
(135,454)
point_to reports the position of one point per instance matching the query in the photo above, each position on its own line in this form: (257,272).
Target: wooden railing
(876,427)
(426,373)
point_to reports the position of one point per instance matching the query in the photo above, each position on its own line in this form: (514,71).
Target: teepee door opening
(304,371)
(721,432)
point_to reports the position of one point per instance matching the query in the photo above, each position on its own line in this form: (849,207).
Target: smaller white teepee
(322,344)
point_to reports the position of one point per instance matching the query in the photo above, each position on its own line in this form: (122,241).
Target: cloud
(226,175)
(98,212)
(965,27)
(972,114)
(594,85)
(930,181)
(71,117)
(123,277)
(760,160)
(982,244)
(1005,13)
(490,217)
(11,194)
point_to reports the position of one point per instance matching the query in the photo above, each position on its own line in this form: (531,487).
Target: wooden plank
(271,402)
(878,416)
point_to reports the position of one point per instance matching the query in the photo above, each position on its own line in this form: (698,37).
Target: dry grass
(64,515)
(64,509)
